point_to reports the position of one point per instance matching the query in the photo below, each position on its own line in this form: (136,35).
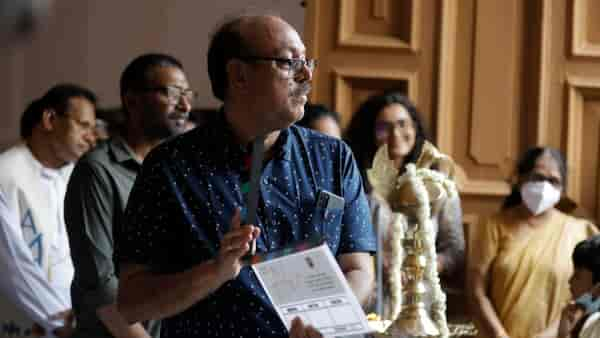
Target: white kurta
(35,262)
(591,327)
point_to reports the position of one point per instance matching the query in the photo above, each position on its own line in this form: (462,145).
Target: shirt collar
(121,150)
(283,145)
(226,148)
(49,173)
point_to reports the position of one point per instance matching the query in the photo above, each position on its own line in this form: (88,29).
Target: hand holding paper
(299,330)
(309,284)
(234,245)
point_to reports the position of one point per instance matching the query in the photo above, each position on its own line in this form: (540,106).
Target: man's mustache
(177,115)
(302,89)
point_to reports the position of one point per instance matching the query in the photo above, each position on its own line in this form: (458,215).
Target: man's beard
(301,90)
(165,129)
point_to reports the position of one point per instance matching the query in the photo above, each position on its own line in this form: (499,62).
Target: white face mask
(539,196)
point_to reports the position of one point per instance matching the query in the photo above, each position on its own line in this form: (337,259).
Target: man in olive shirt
(156,100)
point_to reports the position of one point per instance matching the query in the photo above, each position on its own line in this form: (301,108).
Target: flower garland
(395,278)
(415,177)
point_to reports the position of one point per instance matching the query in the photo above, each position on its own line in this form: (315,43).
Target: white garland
(395,277)
(415,178)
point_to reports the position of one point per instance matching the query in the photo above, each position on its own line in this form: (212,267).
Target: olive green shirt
(95,201)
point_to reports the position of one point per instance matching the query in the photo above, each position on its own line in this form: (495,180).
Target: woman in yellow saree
(519,260)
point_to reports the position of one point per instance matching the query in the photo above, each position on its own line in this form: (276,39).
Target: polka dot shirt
(183,200)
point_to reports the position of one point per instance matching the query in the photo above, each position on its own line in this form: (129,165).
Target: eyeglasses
(293,65)
(174,93)
(383,129)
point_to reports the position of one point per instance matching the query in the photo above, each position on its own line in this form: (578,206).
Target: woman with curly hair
(391,119)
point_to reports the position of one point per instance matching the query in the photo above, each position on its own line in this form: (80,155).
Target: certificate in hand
(309,284)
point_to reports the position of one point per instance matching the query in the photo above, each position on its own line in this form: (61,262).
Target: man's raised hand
(234,245)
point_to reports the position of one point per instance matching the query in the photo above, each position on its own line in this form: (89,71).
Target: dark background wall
(90,42)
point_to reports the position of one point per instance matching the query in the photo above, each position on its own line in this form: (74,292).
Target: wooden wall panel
(593,24)
(491,78)
(586,28)
(364,47)
(495,86)
(375,23)
(583,141)
(569,91)
(478,101)
(589,173)
(354,86)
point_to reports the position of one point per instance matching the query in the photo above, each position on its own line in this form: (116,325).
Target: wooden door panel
(490,78)
(375,23)
(366,46)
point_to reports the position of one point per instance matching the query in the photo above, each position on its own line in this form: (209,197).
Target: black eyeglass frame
(189,94)
(294,64)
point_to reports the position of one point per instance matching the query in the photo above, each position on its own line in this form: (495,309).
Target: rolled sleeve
(357,229)
(88,216)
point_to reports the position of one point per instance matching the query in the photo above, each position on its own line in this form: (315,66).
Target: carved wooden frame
(343,75)
(447,76)
(581,46)
(348,37)
(579,89)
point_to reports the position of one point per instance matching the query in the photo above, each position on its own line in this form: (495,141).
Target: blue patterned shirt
(186,194)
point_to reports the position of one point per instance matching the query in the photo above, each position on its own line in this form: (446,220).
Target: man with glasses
(183,234)
(35,262)
(156,100)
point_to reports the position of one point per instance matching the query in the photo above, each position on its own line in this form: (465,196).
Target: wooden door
(490,78)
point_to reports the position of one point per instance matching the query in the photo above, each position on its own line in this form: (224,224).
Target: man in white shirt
(35,263)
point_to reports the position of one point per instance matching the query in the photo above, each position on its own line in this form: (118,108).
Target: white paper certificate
(309,284)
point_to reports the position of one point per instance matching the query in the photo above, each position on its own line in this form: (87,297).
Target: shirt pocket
(328,223)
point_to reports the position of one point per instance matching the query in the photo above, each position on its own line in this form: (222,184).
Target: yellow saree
(528,277)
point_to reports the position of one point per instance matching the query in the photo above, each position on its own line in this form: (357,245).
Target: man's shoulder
(94,163)
(14,153)
(97,155)
(14,162)
(18,173)
(177,147)
(315,140)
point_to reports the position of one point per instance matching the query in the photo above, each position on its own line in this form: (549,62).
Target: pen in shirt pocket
(258,152)
(329,202)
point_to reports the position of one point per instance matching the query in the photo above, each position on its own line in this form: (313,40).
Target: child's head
(586,260)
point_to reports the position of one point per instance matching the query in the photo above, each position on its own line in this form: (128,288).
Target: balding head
(263,34)
(259,35)
(258,68)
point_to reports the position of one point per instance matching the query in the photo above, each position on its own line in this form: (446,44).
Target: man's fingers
(238,233)
(237,237)
(255,232)
(297,328)
(237,253)
(311,332)
(60,315)
(236,219)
